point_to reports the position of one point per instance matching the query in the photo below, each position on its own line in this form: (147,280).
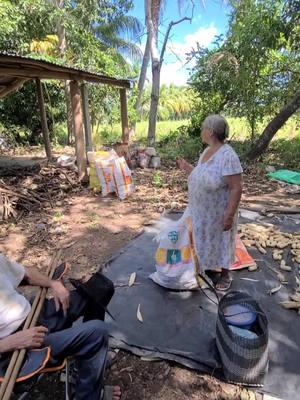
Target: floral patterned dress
(208,200)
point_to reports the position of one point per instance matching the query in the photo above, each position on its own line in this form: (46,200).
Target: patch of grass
(112,134)
(240,131)
(94,226)
(179,144)
(60,134)
(284,153)
(92,216)
(157,179)
(173,142)
(58,215)
(164,129)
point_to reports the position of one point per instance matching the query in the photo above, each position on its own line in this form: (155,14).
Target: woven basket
(245,361)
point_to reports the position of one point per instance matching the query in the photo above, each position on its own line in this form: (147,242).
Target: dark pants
(86,341)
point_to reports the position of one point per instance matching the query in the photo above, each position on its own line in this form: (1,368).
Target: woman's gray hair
(218,125)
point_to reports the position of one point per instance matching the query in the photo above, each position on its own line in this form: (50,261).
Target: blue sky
(208,21)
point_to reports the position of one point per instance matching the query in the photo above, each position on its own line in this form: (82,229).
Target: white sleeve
(231,164)
(13,271)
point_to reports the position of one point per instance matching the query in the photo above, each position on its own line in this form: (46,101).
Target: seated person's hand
(61,296)
(31,338)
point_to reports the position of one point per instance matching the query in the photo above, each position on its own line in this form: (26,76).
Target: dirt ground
(90,229)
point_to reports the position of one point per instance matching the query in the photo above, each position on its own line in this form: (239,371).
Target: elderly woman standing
(215,188)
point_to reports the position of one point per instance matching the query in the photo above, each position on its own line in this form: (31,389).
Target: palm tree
(175,102)
(153,8)
(121,33)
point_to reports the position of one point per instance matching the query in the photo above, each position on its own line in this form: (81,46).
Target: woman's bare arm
(235,184)
(185,165)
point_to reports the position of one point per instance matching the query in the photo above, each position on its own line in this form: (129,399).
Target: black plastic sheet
(180,326)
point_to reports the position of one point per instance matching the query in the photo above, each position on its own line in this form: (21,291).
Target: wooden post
(86,117)
(45,129)
(124,116)
(78,130)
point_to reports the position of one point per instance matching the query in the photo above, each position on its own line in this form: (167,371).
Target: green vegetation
(95,35)
(253,71)
(173,140)
(284,150)
(175,103)
(251,75)
(157,179)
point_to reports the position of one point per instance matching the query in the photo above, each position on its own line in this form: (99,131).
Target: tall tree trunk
(154,103)
(152,11)
(62,44)
(142,78)
(272,128)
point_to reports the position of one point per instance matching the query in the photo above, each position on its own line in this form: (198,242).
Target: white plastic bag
(105,174)
(122,178)
(175,268)
(174,262)
(115,176)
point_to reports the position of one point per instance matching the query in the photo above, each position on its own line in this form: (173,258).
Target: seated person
(86,341)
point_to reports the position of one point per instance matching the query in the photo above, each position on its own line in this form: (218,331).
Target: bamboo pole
(18,355)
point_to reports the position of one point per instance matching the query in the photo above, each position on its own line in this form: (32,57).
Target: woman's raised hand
(183,164)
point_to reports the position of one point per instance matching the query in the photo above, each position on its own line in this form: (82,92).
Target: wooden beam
(86,117)
(15,85)
(68,74)
(78,130)
(124,116)
(45,129)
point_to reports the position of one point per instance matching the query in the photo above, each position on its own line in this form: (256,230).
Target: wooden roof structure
(15,70)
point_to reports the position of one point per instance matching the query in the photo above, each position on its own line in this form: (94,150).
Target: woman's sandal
(223,284)
(107,393)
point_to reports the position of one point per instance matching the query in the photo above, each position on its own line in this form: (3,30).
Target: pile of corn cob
(264,236)
(294,302)
(269,236)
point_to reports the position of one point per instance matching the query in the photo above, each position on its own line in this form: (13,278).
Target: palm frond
(126,48)
(125,26)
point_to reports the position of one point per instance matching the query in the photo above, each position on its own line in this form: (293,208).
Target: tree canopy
(100,36)
(255,69)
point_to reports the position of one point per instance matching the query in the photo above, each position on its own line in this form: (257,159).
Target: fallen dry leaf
(281,278)
(274,290)
(132,279)
(66,246)
(139,314)
(252,268)
(250,279)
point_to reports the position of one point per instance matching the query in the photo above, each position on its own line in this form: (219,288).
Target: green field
(111,134)
(283,151)
(238,130)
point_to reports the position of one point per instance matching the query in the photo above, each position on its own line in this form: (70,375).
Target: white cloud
(173,73)
(203,36)
(176,71)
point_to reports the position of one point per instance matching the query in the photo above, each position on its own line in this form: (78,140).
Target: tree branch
(171,24)
(176,55)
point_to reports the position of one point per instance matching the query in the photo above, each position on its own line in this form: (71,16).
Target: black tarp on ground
(180,326)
